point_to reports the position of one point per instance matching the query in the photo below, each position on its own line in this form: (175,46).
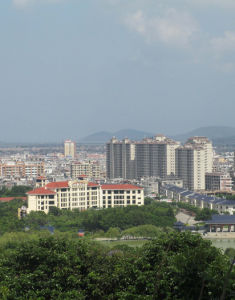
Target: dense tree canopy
(157,214)
(15,191)
(178,266)
(8,216)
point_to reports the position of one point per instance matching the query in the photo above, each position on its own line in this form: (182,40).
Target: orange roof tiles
(57,184)
(41,191)
(120,187)
(92,184)
(7,199)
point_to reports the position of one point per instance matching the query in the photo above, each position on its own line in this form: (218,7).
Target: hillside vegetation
(173,266)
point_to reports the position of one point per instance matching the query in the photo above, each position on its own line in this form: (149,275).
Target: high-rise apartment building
(203,141)
(190,166)
(69,149)
(135,159)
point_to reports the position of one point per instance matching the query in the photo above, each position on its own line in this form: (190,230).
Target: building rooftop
(58,184)
(41,191)
(120,187)
(221,219)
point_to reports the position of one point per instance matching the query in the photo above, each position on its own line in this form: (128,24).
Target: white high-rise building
(190,166)
(204,142)
(69,149)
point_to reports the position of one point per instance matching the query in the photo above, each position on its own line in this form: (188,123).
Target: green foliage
(9,216)
(142,231)
(113,233)
(230,252)
(157,214)
(226,196)
(200,214)
(148,200)
(205,214)
(15,191)
(188,207)
(178,266)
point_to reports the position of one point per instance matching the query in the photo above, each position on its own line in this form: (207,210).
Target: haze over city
(71,68)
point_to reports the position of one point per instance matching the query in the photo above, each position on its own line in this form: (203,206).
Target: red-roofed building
(8,199)
(41,191)
(81,194)
(120,187)
(57,185)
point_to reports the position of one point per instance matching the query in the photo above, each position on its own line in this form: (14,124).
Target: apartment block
(69,149)
(135,159)
(190,166)
(207,146)
(82,195)
(91,169)
(21,169)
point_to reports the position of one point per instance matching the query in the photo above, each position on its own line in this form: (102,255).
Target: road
(184,218)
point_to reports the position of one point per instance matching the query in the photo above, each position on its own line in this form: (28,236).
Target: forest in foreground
(174,265)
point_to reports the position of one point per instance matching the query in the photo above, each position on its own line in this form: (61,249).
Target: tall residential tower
(69,149)
(135,159)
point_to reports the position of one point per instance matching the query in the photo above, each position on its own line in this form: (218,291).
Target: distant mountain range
(212,132)
(104,136)
(218,134)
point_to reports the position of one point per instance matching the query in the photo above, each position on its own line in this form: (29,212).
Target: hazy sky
(69,68)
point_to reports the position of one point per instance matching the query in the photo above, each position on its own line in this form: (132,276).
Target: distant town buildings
(19,169)
(161,157)
(69,149)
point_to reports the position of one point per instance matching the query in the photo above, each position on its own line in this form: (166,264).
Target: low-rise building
(89,168)
(82,195)
(178,194)
(218,182)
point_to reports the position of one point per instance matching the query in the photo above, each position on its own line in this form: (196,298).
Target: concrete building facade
(151,157)
(82,195)
(21,169)
(218,182)
(190,166)
(90,169)
(69,149)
